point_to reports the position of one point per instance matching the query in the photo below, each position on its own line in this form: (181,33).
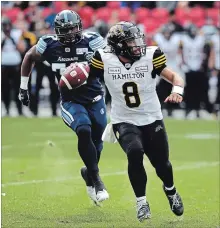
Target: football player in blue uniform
(83,109)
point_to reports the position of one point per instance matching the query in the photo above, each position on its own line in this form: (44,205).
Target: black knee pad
(84,131)
(134,149)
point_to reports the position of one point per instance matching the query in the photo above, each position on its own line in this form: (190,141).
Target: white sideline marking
(202,136)
(197,165)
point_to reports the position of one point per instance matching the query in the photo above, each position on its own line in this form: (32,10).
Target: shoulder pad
(43,42)
(96,41)
(91,35)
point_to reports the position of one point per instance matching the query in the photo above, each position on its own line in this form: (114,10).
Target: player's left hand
(24,96)
(174,98)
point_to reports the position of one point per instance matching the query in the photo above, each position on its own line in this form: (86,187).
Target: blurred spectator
(43,69)
(101,27)
(169,5)
(29,38)
(169,43)
(12,49)
(208,29)
(30,17)
(193,54)
(172,20)
(214,66)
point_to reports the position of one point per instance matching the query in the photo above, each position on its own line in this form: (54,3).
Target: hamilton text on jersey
(127,76)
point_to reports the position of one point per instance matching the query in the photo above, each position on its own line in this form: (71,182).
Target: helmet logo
(116,30)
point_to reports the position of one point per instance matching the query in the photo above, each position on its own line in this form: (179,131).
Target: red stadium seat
(151,25)
(86,23)
(103,13)
(200,23)
(196,14)
(213,13)
(12,13)
(124,14)
(159,13)
(182,15)
(86,12)
(141,14)
(113,5)
(59,6)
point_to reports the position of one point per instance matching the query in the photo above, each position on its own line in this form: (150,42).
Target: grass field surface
(42,187)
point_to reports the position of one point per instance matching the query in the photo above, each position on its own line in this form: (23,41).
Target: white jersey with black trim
(193,51)
(133,91)
(170,48)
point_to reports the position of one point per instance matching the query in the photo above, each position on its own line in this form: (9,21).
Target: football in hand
(74,76)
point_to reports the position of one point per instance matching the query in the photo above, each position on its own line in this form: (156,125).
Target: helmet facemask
(134,48)
(69,33)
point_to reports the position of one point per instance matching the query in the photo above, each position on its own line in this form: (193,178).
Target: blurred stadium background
(41,185)
(30,20)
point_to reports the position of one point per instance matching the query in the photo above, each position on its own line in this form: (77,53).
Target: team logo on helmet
(117,30)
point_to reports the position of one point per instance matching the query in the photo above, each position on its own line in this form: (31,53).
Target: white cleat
(92,194)
(102,195)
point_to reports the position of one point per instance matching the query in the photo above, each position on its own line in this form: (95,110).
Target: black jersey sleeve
(159,61)
(96,66)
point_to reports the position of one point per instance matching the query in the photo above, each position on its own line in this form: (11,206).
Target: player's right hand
(24,96)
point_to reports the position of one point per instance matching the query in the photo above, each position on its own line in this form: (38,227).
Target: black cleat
(95,188)
(143,211)
(175,201)
(99,185)
(101,192)
(86,177)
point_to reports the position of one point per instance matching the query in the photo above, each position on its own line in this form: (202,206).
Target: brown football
(74,76)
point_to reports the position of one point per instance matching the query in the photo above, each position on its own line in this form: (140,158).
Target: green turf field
(41,185)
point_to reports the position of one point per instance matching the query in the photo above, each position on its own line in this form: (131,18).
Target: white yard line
(189,166)
(193,136)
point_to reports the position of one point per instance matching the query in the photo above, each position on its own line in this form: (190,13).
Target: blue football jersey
(60,56)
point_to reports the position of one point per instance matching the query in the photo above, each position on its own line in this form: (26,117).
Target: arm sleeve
(96,66)
(97,42)
(41,45)
(159,61)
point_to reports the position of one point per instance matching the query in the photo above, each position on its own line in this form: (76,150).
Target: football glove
(24,96)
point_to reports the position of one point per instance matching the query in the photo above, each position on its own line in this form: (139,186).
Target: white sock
(90,188)
(169,189)
(141,200)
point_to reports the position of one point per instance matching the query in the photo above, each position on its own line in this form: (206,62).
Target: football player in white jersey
(194,61)
(129,69)
(214,66)
(169,42)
